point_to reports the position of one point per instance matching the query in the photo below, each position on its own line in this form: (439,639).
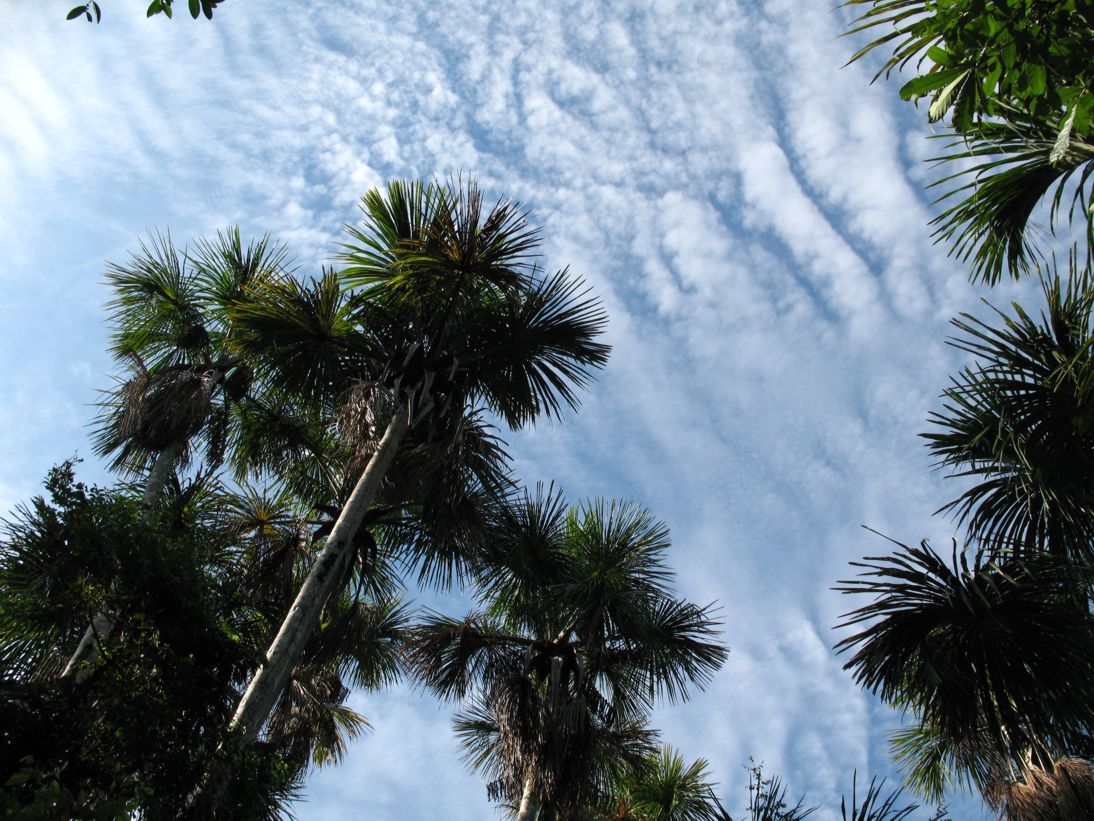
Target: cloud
(752,215)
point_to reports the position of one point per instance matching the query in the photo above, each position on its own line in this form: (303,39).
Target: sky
(751,212)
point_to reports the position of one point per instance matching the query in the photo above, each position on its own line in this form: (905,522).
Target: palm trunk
(284,654)
(529,803)
(87,651)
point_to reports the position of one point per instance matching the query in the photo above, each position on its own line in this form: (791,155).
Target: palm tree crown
(577,637)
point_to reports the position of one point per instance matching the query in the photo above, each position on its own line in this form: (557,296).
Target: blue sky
(752,214)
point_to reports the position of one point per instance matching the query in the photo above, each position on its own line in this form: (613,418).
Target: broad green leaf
(76,12)
(195,8)
(939,56)
(155,7)
(921,86)
(1037,78)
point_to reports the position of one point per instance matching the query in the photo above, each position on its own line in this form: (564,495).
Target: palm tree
(667,789)
(170,330)
(449,316)
(995,657)
(1021,422)
(578,635)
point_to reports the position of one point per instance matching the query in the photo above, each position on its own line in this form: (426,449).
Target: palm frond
(1000,649)
(1021,420)
(536,347)
(1016,166)
(874,806)
(451,657)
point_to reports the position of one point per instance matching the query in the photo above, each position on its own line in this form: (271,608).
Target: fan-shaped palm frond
(668,789)
(534,348)
(1021,420)
(579,635)
(998,650)
(303,338)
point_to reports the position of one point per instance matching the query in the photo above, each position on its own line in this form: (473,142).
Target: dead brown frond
(1063,792)
(361,421)
(165,408)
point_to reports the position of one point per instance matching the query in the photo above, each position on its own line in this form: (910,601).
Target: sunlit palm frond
(668,789)
(910,36)
(156,308)
(224,269)
(934,763)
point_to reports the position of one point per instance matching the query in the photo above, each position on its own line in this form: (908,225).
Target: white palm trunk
(529,803)
(288,646)
(271,678)
(87,651)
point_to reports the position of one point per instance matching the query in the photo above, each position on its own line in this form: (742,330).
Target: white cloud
(751,213)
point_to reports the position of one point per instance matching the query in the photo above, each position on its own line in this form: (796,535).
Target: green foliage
(665,788)
(135,733)
(981,59)
(1016,79)
(193,593)
(1020,422)
(165,7)
(578,636)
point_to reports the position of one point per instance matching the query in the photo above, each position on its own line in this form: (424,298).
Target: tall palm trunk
(288,646)
(529,803)
(102,625)
(270,679)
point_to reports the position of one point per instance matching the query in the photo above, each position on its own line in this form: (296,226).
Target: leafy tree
(577,636)
(132,734)
(92,12)
(197,590)
(1016,79)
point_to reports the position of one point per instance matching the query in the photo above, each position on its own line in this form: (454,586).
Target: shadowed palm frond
(1021,421)
(452,657)
(535,348)
(303,337)
(1017,165)
(1001,650)
(874,806)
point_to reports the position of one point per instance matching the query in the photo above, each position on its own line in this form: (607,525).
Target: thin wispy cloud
(751,213)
